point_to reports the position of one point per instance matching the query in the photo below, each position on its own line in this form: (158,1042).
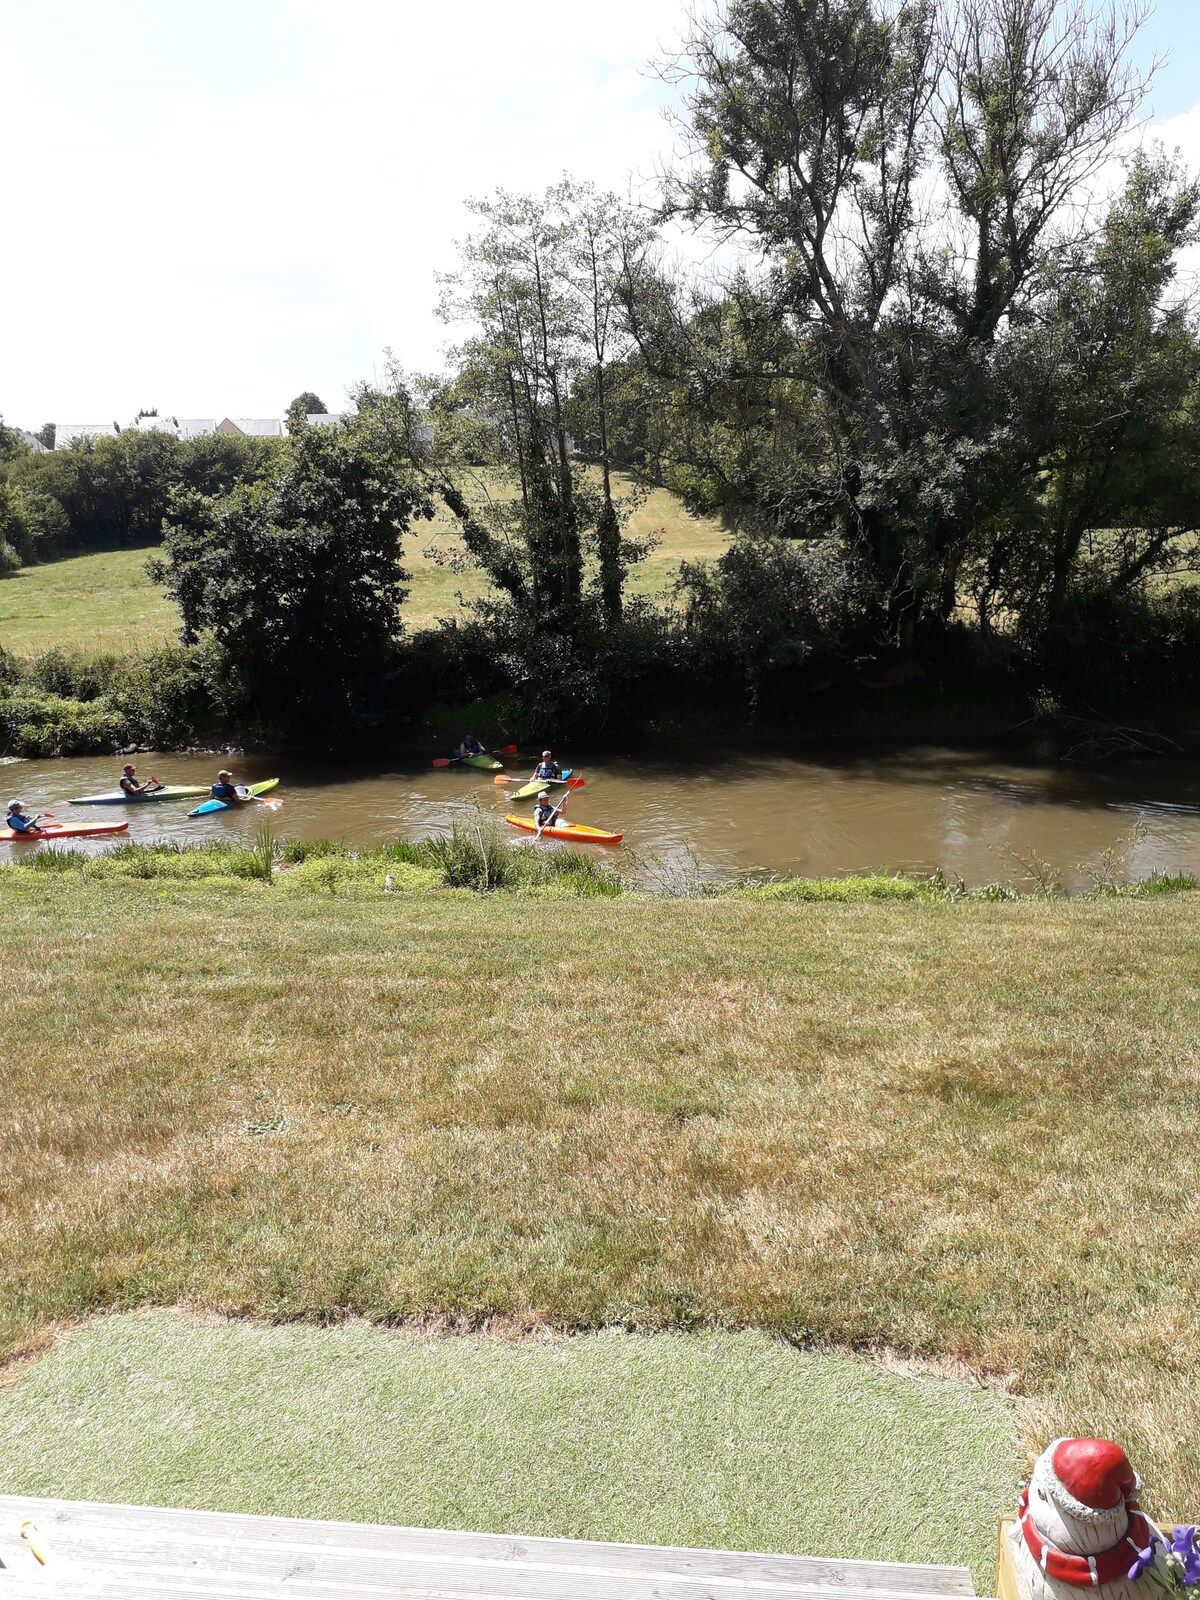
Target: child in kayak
(225,789)
(470,746)
(543,812)
(19,822)
(547,767)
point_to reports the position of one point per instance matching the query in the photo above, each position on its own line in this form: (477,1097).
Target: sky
(209,209)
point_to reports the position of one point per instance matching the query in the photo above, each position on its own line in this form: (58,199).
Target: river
(971,813)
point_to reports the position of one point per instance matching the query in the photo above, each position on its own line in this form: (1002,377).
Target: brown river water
(970,813)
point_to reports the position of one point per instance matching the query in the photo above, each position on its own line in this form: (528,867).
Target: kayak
(484,762)
(61,830)
(254,790)
(536,785)
(118,797)
(568,830)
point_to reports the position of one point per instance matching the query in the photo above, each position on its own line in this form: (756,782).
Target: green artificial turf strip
(726,1440)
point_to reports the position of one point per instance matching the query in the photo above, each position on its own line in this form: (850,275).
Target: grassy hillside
(97,603)
(105,602)
(967,1132)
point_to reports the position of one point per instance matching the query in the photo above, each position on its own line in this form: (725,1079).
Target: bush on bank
(63,703)
(481,861)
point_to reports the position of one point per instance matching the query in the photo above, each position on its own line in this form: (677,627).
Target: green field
(105,602)
(963,1132)
(95,604)
(704,1439)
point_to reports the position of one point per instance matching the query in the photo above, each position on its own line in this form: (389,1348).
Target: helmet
(16,805)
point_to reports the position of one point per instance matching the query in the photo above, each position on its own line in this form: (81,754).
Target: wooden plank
(149,1551)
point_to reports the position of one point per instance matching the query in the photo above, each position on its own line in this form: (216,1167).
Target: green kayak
(118,797)
(536,785)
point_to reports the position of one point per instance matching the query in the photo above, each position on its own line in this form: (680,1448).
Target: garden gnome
(1079,1526)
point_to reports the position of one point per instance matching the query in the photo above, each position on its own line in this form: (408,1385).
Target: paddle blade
(509,749)
(502,779)
(442,761)
(576,783)
(271,805)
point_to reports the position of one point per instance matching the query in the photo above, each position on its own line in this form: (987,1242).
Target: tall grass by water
(963,1131)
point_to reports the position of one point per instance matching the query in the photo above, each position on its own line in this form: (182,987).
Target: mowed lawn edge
(964,1131)
(725,1440)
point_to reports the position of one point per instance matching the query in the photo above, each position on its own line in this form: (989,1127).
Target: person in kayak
(470,746)
(130,783)
(225,789)
(18,821)
(547,767)
(543,812)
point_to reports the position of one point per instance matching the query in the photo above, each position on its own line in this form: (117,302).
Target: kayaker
(18,821)
(225,789)
(547,767)
(543,812)
(130,783)
(470,746)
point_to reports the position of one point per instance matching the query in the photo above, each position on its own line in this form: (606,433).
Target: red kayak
(61,830)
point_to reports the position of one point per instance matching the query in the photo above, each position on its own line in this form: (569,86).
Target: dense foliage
(101,494)
(297,579)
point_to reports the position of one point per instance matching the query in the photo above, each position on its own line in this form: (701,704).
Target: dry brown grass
(965,1133)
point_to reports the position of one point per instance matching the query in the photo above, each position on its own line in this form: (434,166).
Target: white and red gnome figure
(1079,1526)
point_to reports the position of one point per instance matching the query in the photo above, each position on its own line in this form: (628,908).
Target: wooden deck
(103,1552)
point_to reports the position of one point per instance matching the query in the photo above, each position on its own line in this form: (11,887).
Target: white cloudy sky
(210,208)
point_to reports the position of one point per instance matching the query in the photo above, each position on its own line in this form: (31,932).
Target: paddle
(551,819)
(571,783)
(445,761)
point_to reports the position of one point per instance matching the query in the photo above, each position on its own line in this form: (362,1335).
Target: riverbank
(963,1131)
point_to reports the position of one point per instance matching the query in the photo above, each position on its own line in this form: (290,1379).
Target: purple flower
(1144,1559)
(1186,1545)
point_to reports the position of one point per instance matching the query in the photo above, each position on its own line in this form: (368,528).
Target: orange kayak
(568,830)
(60,830)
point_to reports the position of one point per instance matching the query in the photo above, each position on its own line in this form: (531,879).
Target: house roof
(65,432)
(257,427)
(32,440)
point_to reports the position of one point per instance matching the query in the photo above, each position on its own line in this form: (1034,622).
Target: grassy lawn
(962,1131)
(727,1440)
(105,602)
(92,603)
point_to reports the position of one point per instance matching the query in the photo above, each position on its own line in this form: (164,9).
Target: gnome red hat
(1086,1477)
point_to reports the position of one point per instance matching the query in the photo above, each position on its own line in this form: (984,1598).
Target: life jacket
(224,791)
(548,769)
(20,824)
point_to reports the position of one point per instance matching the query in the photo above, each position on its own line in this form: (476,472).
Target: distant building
(252,427)
(194,427)
(32,440)
(67,432)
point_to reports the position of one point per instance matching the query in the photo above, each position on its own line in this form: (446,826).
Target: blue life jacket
(21,824)
(548,769)
(224,791)
(542,815)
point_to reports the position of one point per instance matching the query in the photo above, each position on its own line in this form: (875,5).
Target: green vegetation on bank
(480,859)
(710,1440)
(961,1130)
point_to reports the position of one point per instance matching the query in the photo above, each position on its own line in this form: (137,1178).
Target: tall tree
(305,405)
(298,578)
(539,286)
(911,183)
